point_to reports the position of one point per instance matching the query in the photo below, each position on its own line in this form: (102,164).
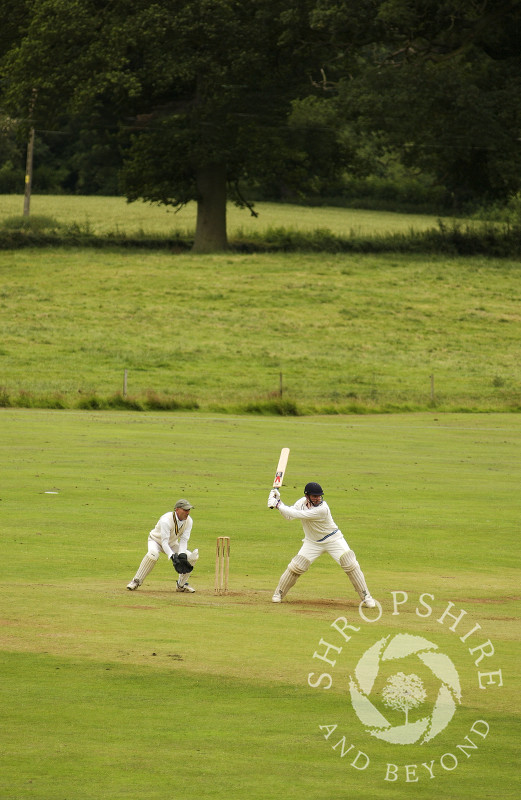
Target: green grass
(109,694)
(346,332)
(103,215)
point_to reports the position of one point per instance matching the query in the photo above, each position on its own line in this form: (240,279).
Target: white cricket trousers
(336,546)
(152,556)
(155,549)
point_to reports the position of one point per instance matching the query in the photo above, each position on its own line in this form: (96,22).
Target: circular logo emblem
(404,692)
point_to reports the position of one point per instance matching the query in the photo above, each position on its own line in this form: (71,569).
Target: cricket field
(151,695)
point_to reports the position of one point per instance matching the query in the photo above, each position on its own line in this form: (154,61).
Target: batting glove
(273,502)
(275,493)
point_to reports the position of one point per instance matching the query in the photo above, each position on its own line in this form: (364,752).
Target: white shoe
(277,598)
(134,584)
(368,601)
(185,588)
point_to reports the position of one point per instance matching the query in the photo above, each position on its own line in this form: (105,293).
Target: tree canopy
(203,97)
(202,92)
(443,88)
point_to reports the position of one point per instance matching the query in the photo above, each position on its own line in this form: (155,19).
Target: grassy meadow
(102,215)
(284,333)
(153,694)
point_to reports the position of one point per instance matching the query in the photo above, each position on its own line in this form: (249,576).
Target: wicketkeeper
(321,535)
(170,536)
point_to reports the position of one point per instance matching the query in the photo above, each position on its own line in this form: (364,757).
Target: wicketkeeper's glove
(181,564)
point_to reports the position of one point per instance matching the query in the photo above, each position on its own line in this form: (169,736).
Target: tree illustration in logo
(404,692)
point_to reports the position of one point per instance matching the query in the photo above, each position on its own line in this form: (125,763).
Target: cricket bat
(281,468)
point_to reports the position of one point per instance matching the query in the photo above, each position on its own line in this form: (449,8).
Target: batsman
(170,536)
(321,535)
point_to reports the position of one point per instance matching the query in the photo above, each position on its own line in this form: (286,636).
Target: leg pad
(296,567)
(352,569)
(146,565)
(299,564)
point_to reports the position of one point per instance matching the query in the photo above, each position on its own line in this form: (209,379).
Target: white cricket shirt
(317,522)
(165,532)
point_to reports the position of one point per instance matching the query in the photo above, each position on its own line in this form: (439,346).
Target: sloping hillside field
(287,333)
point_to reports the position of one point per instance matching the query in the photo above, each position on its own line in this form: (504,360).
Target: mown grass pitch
(110,694)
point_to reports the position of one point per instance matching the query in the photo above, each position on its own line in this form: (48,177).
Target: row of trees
(202,99)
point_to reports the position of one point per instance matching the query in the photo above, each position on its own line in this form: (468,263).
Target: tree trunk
(210,230)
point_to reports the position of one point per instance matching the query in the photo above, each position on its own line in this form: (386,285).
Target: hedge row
(486,239)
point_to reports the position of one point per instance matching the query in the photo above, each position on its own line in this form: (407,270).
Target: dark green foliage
(5,400)
(448,238)
(442,89)
(295,101)
(277,407)
(11,160)
(149,402)
(190,85)
(34,224)
(38,231)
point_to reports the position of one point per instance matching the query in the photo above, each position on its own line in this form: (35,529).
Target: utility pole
(29,161)
(29,173)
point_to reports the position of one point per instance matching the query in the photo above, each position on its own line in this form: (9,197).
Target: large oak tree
(206,93)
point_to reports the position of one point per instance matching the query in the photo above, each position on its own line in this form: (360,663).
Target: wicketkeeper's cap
(184,504)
